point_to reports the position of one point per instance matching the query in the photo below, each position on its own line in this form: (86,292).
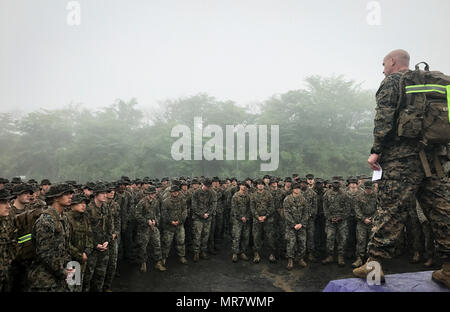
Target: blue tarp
(405,282)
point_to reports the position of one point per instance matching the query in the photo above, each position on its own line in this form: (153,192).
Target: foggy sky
(240,50)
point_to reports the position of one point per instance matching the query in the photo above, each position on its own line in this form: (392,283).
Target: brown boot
(341,261)
(272,258)
(143,268)
(164,261)
(160,267)
(327,260)
(204,255)
(183,260)
(196,257)
(442,276)
(358,262)
(416,257)
(290,264)
(362,271)
(256,257)
(302,263)
(234,258)
(244,257)
(428,263)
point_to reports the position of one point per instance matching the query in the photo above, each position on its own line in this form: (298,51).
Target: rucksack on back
(423,108)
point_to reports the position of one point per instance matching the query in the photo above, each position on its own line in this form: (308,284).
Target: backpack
(423,109)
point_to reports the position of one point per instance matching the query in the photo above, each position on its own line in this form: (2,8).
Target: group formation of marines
(43,227)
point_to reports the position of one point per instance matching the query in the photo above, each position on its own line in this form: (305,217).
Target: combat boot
(302,263)
(244,257)
(428,263)
(144,267)
(183,260)
(442,276)
(160,267)
(341,261)
(416,257)
(164,261)
(362,271)
(256,257)
(234,258)
(290,264)
(272,258)
(358,262)
(204,255)
(196,257)
(327,260)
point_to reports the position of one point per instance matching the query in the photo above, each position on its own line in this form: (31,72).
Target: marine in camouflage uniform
(173,216)
(404,176)
(114,210)
(229,192)
(336,210)
(148,218)
(285,191)
(263,211)
(278,222)
(80,244)
(216,218)
(365,210)
(353,194)
(240,219)
(188,223)
(102,227)
(203,207)
(8,241)
(50,237)
(311,206)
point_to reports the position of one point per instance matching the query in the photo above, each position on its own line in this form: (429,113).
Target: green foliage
(325,128)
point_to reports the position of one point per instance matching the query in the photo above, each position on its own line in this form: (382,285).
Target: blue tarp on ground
(405,282)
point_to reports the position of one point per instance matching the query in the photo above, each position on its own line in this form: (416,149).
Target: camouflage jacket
(203,201)
(335,205)
(8,241)
(123,200)
(114,210)
(24,224)
(353,200)
(311,202)
(80,235)
(50,238)
(146,210)
(366,207)
(386,141)
(219,199)
(296,210)
(278,200)
(261,204)
(173,209)
(240,206)
(101,222)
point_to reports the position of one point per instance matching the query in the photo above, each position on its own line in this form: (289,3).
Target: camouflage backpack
(423,108)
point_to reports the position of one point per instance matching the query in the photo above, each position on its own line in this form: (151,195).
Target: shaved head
(395,61)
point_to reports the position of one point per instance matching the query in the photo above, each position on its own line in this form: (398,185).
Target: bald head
(395,61)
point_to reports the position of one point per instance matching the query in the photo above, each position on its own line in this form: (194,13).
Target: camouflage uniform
(282,244)
(97,264)
(311,206)
(8,240)
(215,239)
(278,221)
(50,238)
(335,205)
(173,209)
(80,240)
(240,207)
(113,248)
(404,178)
(366,207)
(296,212)
(229,192)
(203,202)
(353,200)
(148,210)
(188,223)
(427,232)
(261,204)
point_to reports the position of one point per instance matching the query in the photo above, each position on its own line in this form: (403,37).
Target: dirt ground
(220,274)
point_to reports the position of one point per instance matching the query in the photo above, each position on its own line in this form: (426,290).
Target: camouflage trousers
(403,179)
(219,231)
(5,283)
(42,280)
(264,230)
(240,236)
(413,229)
(168,236)
(310,231)
(362,237)
(145,236)
(296,243)
(212,232)
(429,240)
(280,242)
(337,234)
(96,267)
(200,234)
(112,263)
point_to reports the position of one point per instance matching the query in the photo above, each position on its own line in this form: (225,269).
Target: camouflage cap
(368,184)
(296,186)
(266,176)
(32,181)
(79,198)
(309,176)
(150,190)
(273,181)
(20,189)
(45,182)
(99,188)
(215,179)
(259,181)
(158,185)
(16,180)
(352,180)
(248,179)
(195,181)
(59,190)
(164,179)
(242,183)
(233,179)
(288,179)
(5,195)
(207,182)
(3,181)
(174,188)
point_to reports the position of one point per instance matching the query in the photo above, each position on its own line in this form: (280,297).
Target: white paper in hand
(377,174)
